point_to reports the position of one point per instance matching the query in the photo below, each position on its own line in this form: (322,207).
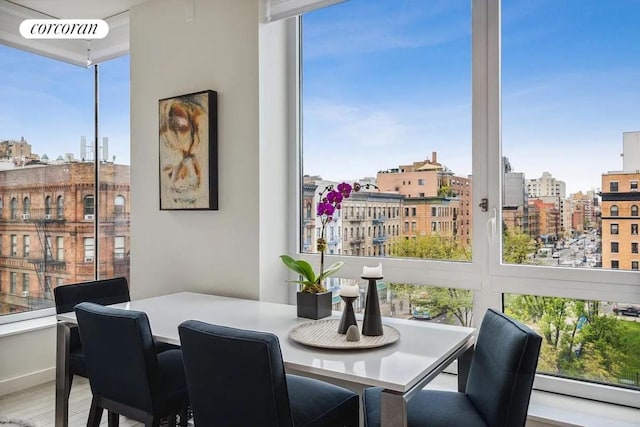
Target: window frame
(486,275)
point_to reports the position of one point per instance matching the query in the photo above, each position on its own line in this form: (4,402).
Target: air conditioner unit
(89,217)
(48,216)
(88,259)
(25,294)
(25,216)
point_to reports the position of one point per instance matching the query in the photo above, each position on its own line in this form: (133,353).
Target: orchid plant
(331,198)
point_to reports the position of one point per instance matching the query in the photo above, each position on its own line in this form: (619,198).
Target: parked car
(420,313)
(627,310)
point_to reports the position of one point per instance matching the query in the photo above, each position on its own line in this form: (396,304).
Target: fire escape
(44,263)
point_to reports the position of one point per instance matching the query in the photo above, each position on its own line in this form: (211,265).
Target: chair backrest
(235,377)
(120,357)
(502,370)
(105,292)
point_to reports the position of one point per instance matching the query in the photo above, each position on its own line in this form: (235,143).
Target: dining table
(402,368)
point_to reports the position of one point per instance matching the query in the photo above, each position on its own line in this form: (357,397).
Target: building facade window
(60,248)
(89,249)
(119,204)
(60,207)
(26,208)
(119,249)
(615,264)
(25,284)
(614,247)
(47,207)
(26,245)
(89,207)
(13,282)
(613,186)
(634,265)
(633,185)
(614,228)
(634,229)
(634,247)
(634,210)
(614,210)
(14,208)
(14,245)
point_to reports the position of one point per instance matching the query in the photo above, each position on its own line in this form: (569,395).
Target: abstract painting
(189,152)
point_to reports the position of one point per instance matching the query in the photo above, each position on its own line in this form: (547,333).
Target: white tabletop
(422,345)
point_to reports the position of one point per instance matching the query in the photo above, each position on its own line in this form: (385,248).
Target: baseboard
(26,381)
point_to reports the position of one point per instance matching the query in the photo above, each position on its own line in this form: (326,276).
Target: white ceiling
(114,12)
(75,9)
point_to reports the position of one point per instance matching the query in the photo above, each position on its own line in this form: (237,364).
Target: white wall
(27,358)
(233,251)
(229,251)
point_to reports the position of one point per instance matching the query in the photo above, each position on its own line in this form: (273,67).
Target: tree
(516,247)
(432,247)
(578,339)
(457,304)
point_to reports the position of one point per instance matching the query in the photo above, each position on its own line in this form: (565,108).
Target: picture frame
(188,145)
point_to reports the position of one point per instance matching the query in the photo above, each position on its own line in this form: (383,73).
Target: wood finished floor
(37,405)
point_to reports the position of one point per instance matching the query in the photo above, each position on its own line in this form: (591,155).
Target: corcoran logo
(85,29)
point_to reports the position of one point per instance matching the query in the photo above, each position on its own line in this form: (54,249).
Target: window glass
(89,249)
(49,187)
(592,340)
(382,95)
(548,79)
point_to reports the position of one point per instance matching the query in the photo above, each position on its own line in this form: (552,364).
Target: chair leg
(114,419)
(69,383)
(95,414)
(184,417)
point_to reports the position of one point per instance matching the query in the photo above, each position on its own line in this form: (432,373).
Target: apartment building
(620,220)
(437,201)
(47,223)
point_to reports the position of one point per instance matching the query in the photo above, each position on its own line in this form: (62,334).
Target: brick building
(437,201)
(47,225)
(620,220)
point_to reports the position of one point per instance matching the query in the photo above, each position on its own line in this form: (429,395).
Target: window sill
(29,325)
(551,409)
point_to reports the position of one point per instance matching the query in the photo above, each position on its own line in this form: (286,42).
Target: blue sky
(387,82)
(50,103)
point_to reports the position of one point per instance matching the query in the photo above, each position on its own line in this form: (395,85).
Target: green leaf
(301,267)
(329,271)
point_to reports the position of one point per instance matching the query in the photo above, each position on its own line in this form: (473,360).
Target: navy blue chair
(498,388)
(108,291)
(236,378)
(126,375)
(104,292)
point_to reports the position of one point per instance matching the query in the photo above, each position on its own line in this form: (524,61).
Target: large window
(541,220)
(51,157)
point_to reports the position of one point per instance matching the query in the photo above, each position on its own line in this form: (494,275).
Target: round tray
(324,334)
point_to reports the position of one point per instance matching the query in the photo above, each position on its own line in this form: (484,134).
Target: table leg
(62,374)
(464,364)
(393,409)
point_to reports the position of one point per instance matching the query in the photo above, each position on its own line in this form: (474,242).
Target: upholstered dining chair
(498,388)
(236,377)
(107,291)
(126,375)
(104,292)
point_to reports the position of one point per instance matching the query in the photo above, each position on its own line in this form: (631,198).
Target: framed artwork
(189,151)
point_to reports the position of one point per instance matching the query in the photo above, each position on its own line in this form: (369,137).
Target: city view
(390,104)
